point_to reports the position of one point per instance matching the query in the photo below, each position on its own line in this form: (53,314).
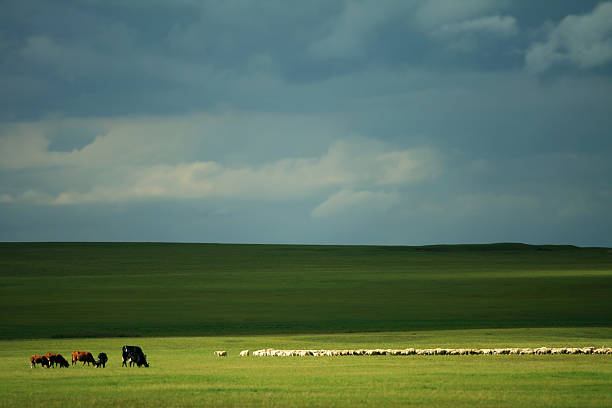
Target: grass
(70,290)
(182,301)
(185,373)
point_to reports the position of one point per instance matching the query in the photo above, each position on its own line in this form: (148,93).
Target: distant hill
(158,289)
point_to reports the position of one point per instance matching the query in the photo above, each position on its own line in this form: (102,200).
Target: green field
(182,301)
(108,290)
(184,372)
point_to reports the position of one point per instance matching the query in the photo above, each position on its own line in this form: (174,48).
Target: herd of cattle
(422,352)
(131,355)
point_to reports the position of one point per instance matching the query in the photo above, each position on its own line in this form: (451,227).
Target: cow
(133,355)
(42,360)
(58,359)
(50,357)
(84,356)
(244,353)
(102,359)
(221,353)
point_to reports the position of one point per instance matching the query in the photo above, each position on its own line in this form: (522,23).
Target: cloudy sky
(332,121)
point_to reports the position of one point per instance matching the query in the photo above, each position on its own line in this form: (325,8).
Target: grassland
(182,301)
(125,289)
(184,372)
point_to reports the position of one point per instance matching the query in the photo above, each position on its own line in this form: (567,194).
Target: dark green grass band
(66,290)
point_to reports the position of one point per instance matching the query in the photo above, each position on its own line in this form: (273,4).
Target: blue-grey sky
(332,121)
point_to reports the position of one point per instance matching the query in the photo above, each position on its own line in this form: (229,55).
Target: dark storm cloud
(130,58)
(106,59)
(110,58)
(320,121)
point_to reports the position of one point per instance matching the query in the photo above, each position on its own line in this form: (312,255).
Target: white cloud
(29,196)
(17,151)
(165,159)
(584,41)
(355,203)
(504,26)
(401,167)
(285,179)
(135,141)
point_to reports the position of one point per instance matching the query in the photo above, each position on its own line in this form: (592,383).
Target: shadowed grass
(63,290)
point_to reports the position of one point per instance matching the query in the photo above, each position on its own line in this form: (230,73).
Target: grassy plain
(185,373)
(128,289)
(182,301)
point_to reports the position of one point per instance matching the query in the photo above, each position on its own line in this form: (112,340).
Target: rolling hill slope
(148,289)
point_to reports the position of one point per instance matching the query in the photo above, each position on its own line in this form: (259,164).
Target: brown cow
(42,360)
(84,356)
(51,356)
(58,359)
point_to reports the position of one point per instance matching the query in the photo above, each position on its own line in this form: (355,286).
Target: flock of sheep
(270,352)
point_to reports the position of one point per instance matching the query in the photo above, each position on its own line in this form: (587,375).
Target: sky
(386,122)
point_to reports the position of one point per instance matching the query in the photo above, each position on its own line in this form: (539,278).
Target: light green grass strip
(184,372)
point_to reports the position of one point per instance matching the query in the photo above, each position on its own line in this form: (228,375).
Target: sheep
(424,352)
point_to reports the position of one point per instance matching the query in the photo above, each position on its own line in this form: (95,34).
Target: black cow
(58,359)
(102,359)
(42,360)
(134,355)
